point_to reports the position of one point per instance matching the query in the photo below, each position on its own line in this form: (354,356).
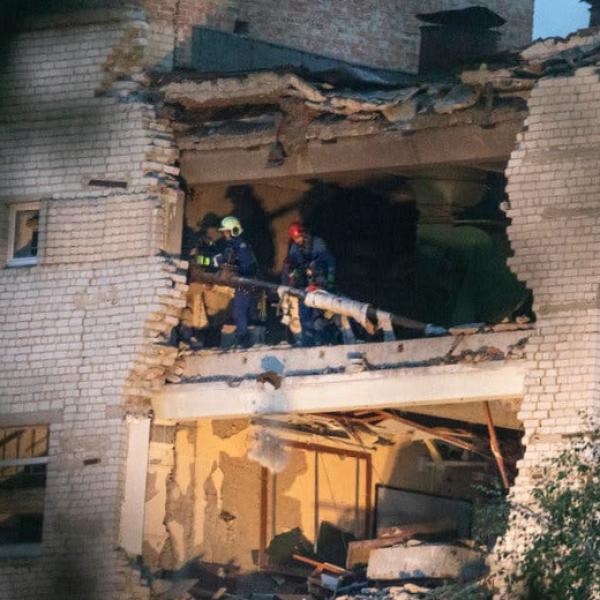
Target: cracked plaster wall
(213,513)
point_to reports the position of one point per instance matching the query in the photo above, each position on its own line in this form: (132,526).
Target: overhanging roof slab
(461,144)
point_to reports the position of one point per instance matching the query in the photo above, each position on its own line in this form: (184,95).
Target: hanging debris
(269,451)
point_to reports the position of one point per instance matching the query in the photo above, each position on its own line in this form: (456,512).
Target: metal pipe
(231,280)
(264,507)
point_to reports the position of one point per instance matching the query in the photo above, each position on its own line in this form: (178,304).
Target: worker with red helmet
(308,265)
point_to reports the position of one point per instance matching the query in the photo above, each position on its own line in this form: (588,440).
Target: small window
(23,234)
(23,462)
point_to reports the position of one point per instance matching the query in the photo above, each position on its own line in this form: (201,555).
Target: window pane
(26,233)
(22,485)
(23,442)
(21,529)
(23,477)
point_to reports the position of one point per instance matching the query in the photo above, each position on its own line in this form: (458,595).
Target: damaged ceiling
(286,111)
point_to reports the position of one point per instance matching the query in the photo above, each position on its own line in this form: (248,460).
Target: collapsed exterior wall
(83,328)
(554,188)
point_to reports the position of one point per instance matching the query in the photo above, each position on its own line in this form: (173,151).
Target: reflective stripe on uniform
(203,260)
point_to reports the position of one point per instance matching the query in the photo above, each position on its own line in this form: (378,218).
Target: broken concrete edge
(543,48)
(219,136)
(484,354)
(446,97)
(489,95)
(212,365)
(272,88)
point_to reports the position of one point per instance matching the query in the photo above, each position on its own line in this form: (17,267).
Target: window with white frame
(23,233)
(23,462)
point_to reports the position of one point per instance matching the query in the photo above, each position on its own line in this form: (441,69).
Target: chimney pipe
(594,12)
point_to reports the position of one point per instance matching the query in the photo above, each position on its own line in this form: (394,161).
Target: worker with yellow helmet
(239,258)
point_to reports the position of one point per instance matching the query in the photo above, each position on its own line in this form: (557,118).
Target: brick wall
(171,22)
(554,189)
(80,328)
(382,33)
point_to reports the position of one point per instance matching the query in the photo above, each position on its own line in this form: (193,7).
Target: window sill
(21,262)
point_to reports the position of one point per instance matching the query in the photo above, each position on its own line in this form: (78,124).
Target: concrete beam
(392,388)
(461,144)
(132,508)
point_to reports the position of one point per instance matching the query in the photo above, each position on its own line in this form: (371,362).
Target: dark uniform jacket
(209,252)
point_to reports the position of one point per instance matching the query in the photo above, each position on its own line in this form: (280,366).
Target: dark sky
(559,17)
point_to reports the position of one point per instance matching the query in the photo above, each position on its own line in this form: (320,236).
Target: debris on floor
(359,552)
(430,561)
(327,579)
(285,546)
(409,591)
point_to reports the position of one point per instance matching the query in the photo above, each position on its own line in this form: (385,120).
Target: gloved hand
(294,279)
(330,282)
(229,256)
(434,330)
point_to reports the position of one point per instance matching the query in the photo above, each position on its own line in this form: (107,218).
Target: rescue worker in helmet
(309,265)
(238,257)
(210,244)
(208,306)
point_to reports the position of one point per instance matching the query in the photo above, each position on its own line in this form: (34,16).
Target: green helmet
(231,224)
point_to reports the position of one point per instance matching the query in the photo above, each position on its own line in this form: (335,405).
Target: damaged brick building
(124,454)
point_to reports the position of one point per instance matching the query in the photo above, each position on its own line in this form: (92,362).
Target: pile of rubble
(403,563)
(411,591)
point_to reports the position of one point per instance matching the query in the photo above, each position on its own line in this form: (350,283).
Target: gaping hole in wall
(283,494)
(429,245)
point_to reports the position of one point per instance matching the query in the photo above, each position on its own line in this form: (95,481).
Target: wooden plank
(444,437)
(321,566)
(495,445)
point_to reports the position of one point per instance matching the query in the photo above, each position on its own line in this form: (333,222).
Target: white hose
(336,304)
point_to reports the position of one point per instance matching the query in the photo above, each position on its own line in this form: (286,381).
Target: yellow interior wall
(227,490)
(227,485)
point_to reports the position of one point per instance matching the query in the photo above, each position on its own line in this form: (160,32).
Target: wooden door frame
(319,448)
